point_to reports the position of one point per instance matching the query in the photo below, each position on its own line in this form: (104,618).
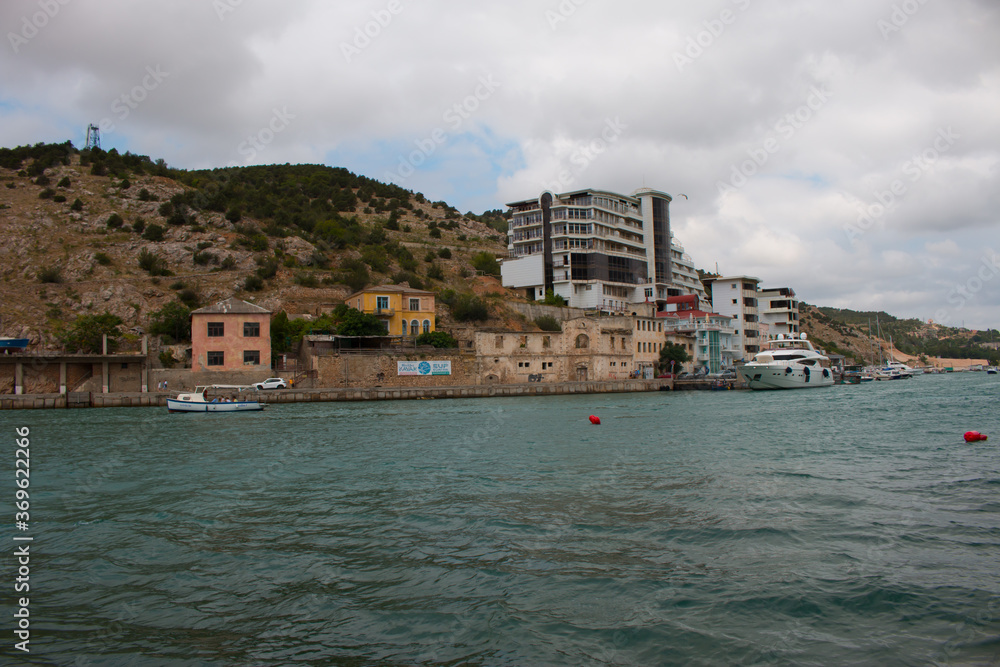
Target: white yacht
(787,362)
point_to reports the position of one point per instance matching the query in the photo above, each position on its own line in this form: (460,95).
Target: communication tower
(93,137)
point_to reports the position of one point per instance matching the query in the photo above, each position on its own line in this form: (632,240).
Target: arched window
(427,326)
(414,328)
(404,327)
(582,342)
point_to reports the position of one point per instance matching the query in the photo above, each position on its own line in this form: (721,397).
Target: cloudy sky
(846,149)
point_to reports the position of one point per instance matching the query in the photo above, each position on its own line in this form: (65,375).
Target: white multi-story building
(737,297)
(779,309)
(598,250)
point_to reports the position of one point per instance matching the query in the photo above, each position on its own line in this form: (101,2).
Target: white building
(779,309)
(737,297)
(598,250)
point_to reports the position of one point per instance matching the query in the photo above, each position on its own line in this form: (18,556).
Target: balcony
(384,312)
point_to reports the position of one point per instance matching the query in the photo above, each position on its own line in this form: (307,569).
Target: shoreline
(159,399)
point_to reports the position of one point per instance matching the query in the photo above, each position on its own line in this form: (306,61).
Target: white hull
(174,405)
(777,376)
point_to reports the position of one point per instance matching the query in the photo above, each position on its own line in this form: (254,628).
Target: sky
(848,150)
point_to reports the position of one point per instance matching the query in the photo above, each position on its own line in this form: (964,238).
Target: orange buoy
(594,419)
(974,436)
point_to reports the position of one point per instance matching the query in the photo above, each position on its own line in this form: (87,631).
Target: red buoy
(974,436)
(594,419)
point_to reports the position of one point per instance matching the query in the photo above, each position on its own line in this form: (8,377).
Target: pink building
(232,335)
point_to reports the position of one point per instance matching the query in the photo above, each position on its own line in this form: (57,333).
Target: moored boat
(8,344)
(229,398)
(787,362)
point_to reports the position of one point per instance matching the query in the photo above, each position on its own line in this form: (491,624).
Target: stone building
(232,335)
(586,349)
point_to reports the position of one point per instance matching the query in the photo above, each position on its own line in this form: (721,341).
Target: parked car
(271,383)
(728,374)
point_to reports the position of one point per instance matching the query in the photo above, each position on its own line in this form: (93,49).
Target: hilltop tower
(93,137)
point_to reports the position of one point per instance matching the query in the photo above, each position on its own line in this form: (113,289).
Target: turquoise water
(847,525)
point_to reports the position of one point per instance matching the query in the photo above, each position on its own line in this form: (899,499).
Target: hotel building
(598,250)
(779,309)
(737,298)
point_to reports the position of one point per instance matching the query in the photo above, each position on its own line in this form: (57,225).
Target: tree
(486,262)
(356,323)
(87,332)
(440,339)
(469,308)
(671,356)
(553,299)
(173,320)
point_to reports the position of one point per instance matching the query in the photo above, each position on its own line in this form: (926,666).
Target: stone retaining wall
(159,399)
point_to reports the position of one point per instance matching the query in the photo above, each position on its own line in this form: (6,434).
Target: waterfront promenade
(159,398)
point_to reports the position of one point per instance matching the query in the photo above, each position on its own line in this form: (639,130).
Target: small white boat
(198,401)
(992,370)
(788,362)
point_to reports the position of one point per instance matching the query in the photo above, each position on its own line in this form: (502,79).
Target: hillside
(76,225)
(848,332)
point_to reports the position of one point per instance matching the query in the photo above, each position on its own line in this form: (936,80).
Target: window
(216,358)
(497,342)
(735,302)
(216,329)
(251,357)
(404,327)
(582,342)
(427,326)
(414,304)
(251,329)
(382,303)
(414,328)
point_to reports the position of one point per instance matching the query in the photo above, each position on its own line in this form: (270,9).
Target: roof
(232,305)
(390,289)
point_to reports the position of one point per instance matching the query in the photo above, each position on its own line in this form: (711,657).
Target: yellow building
(403,310)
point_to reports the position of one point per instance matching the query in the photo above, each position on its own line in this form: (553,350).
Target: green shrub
(470,308)
(306,280)
(167,358)
(439,339)
(64,182)
(46,193)
(115,221)
(444,253)
(376,257)
(548,323)
(58,198)
(102,259)
(139,225)
(153,233)
(50,274)
(77,205)
(203,257)
(435,272)
(153,263)
(253,283)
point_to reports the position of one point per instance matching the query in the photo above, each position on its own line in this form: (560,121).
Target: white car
(271,383)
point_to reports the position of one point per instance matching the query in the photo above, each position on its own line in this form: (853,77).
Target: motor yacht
(788,361)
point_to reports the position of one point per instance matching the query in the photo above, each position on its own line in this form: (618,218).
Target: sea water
(840,525)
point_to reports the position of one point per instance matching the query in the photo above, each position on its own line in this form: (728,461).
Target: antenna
(93,137)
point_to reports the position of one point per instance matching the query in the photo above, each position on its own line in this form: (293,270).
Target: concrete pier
(159,399)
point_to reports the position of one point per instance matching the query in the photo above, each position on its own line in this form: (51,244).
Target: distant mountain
(860,334)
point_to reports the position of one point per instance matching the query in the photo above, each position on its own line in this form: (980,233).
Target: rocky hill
(94,232)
